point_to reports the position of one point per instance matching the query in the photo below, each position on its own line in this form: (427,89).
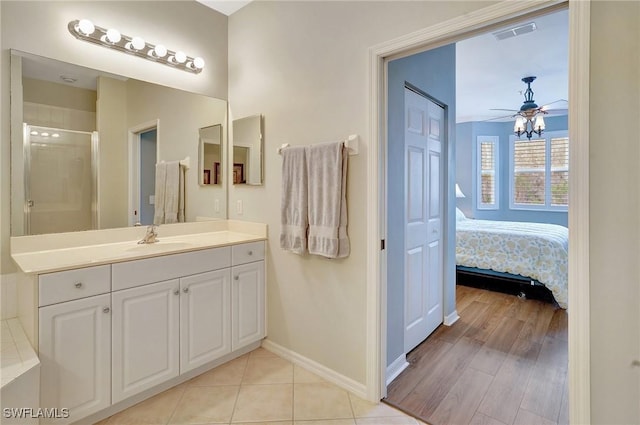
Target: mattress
(535,250)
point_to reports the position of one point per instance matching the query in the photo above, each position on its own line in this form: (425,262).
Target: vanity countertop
(65,255)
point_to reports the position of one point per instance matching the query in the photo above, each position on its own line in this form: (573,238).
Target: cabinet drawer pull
(106,310)
(186,290)
(78,285)
(236,277)
(176,292)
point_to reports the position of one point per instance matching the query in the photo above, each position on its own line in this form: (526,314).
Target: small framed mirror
(210,156)
(247,150)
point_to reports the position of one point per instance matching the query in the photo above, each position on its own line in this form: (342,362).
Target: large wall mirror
(247,150)
(84,145)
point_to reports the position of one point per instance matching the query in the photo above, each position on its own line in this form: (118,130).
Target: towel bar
(186,162)
(351,142)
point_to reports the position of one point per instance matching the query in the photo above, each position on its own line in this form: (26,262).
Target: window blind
(529,159)
(487,173)
(560,171)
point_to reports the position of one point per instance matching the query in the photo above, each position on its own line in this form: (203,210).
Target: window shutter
(529,172)
(487,173)
(560,171)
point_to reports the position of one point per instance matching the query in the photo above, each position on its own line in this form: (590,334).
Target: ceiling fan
(529,118)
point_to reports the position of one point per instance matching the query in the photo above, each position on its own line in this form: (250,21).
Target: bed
(534,250)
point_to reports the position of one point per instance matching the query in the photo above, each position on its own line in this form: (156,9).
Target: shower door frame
(95,160)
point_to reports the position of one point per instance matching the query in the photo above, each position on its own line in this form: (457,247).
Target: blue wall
(466,166)
(434,73)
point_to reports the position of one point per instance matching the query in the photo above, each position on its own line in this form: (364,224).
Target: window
(540,172)
(487,182)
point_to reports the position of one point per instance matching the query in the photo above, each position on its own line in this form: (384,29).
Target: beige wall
(308,75)
(614,204)
(304,65)
(113,166)
(54,94)
(177,24)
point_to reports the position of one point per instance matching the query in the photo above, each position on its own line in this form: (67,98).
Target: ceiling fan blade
(497,118)
(557,111)
(508,110)
(546,105)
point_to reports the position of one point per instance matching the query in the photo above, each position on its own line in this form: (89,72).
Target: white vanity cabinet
(109,332)
(247,294)
(75,340)
(145,337)
(205,318)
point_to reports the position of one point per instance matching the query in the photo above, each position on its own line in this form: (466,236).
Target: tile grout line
(235,404)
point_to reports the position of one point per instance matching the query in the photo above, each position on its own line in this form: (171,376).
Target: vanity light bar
(84,29)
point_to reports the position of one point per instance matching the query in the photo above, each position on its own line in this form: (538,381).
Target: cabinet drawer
(74,284)
(247,253)
(130,274)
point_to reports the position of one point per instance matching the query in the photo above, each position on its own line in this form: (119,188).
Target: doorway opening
(380,55)
(143,141)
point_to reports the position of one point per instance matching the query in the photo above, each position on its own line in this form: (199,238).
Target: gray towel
(293,215)
(161,177)
(327,176)
(170,192)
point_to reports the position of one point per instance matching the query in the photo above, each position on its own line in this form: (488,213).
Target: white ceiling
(489,72)
(225,6)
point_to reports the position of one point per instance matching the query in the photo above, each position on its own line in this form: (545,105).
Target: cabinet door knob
(106,310)
(250,252)
(236,277)
(186,290)
(176,292)
(635,363)
(78,285)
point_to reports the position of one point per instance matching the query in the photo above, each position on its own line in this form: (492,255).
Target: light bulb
(34,133)
(45,134)
(86,27)
(55,135)
(180,57)
(159,51)
(113,35)
(198,63)
(138,43)
(519,125)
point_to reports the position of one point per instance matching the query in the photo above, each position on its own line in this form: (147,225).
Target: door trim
(439,34)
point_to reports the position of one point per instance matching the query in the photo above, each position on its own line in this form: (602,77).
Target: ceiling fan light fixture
(529,119)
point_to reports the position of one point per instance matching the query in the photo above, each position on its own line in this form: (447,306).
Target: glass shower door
(60,180)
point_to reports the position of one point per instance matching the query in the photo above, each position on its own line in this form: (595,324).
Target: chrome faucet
(151,235)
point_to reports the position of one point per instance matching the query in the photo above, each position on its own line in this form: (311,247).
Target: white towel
(170,189)
(327,177)
(293,213)
(161,177)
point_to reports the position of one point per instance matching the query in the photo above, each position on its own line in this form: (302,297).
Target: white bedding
(535,250)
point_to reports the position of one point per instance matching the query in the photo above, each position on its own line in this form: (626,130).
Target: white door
(424,133)
(205,318)
(247,304)
(145,337)
(75,356)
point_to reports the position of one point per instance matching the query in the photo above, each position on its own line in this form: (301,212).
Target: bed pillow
(460,215)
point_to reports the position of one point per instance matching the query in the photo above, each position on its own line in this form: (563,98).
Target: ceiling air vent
(515,31)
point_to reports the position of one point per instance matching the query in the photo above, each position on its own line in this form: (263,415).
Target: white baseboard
(396,368)
(450,319)
(322,371)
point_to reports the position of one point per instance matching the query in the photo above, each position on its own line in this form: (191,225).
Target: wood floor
(504,362)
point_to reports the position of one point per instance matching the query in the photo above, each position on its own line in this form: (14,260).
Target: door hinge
(381,244)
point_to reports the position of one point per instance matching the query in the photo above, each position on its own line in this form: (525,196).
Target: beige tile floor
(258,388)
